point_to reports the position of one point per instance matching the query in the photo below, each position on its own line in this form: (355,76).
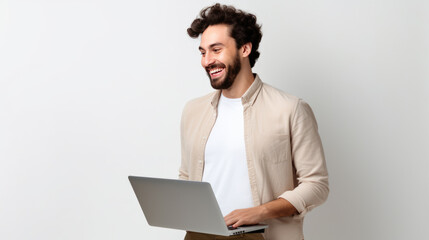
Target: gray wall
(92,91)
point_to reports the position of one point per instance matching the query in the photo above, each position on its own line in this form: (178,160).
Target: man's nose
(208,60)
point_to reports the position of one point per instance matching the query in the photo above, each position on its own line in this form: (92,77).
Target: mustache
(215,65)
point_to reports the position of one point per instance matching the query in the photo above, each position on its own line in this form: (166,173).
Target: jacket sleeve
(183,170)
(309,161)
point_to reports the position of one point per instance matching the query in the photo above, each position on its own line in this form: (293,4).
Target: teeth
(216,70)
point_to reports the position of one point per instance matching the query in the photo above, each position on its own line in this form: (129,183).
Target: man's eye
(216,50)
(203,53)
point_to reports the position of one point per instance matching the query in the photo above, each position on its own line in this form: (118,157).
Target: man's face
(219,56)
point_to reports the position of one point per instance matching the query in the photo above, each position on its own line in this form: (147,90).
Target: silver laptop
(185,205)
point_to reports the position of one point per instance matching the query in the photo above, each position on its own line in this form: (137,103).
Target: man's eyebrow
(212,45)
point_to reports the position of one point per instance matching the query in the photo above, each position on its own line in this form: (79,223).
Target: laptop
(185,205)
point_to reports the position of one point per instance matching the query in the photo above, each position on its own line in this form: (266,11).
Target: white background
(92,91)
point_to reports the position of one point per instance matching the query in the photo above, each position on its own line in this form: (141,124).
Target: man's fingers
(230,220)
(237,224)
(241,217)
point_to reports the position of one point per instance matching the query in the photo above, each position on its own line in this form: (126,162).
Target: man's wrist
(264,212)
(277,208)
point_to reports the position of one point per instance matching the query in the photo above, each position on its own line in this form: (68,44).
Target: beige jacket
(284,152)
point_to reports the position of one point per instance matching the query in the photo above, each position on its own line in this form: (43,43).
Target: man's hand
(248,216)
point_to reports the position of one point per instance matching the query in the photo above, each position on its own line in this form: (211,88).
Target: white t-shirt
(225,158)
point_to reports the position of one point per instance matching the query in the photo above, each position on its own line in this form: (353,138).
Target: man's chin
(222,82)
(216,86)
(216,83)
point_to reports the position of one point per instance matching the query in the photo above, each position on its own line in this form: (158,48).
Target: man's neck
(242,82)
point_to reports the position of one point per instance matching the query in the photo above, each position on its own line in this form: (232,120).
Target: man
(257,146)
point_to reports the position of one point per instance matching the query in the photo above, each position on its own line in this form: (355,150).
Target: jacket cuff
(297,202)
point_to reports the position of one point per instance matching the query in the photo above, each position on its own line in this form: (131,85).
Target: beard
(231,73)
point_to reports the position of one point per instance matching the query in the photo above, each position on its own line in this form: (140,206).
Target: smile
(216,72)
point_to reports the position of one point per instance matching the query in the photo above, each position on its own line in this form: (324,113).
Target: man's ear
(246,49)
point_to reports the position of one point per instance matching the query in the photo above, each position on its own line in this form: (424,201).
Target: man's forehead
(215,35)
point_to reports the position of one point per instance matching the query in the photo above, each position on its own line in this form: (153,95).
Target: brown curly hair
(244,28)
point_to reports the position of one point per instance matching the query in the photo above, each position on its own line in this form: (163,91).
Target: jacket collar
(248,97)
